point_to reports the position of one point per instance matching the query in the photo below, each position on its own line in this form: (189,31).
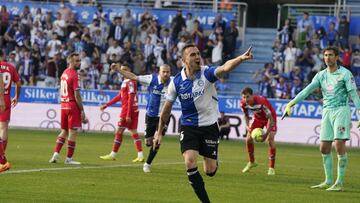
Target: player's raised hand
(103,107)
(114,66)
(247,55)
(14,102)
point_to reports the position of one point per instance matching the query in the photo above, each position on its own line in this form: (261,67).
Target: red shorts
(133,124)
(5,115)
(261,124)
(70,116)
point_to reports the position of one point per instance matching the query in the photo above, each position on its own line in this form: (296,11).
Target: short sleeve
(171,92)
(349,82)
(145,79)
(209,73)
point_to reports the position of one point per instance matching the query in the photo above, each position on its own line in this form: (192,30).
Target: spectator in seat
(224,126)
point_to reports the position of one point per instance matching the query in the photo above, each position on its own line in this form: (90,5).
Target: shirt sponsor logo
(191,95)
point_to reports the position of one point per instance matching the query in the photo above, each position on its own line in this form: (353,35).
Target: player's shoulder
(344,70)
(177,78)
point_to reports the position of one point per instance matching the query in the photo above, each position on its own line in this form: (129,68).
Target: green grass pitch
(33,179)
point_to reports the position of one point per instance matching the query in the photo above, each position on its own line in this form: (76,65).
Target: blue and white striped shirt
(157,93)
(198,97)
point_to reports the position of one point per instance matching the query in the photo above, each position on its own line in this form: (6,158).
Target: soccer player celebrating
(157,88)
(72,110)
(128,117)
(194,86)
(264,115)
(337,84)
(8,75)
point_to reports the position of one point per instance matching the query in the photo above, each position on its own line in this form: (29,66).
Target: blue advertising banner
(306,109)
(85,14)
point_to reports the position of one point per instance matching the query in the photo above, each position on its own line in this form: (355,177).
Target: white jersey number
(7,81)
(64,88)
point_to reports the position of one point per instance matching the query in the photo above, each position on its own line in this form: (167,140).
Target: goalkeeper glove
(287,110)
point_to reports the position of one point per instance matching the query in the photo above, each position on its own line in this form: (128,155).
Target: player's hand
(247,55)
(83,117)
(157,139)
(2,105)
(287,110)
(14,102)
(128,120)
(114,66)
(103,107)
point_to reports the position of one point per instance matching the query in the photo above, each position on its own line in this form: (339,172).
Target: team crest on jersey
(200,83)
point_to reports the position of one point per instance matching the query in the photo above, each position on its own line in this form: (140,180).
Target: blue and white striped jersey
(198,97)
(157,93)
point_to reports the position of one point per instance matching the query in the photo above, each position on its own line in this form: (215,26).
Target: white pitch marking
(82,167)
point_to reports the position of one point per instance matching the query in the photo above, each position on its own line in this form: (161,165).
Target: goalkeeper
(337,84)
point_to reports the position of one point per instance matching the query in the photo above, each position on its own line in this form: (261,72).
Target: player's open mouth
(197,62)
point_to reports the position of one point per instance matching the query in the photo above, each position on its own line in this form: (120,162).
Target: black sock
(198,185)
(152,154)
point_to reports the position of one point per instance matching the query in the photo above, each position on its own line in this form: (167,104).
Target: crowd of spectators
(38,43)
(297,56)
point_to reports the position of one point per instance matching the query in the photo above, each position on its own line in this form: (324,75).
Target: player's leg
(116,144)
(4,164)
(194,176)
(151,125)
(271,152)
(326,139)
(190,144)
(60,140)
(250,148)
(135,136)
(342,126)
(74,123)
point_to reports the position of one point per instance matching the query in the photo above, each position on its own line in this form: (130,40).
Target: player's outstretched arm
(164,117)
(233,63)
(126,74)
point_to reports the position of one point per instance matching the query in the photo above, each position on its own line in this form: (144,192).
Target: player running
(8,75)
(72,110)
(264,115)
(157,85)
(337,84)
(194,86)
(128,117)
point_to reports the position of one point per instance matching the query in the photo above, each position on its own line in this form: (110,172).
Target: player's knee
(149,141)
(211,174)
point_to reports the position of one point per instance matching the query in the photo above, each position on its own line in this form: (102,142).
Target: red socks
(117,142)
(250,150)
(137,142)
(71,148)
(59,143)
(272,154)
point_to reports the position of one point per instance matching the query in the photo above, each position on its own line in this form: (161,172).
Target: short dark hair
(73,54)
(247,90)
(186,47)
(306,13)
(332,48)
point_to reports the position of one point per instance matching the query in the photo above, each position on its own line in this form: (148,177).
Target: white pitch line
(82,167)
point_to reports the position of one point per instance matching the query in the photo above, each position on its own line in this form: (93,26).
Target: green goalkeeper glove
(287,110)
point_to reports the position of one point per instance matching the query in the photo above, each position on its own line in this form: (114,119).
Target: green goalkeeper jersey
(336,88)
